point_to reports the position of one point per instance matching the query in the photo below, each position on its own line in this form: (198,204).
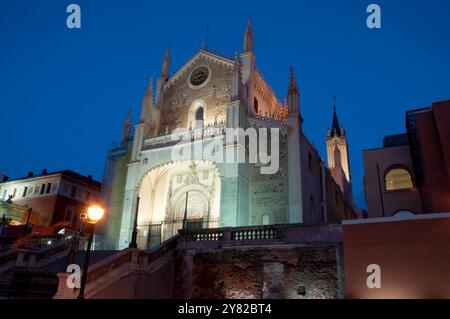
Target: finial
(292,83)
(150,85)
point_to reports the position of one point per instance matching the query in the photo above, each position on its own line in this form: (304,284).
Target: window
(25,191)
(30,190)
(42,189)
(14,193)
(88,196)
(398,178)
(266,219)
(199,114)
(69,214)
(4,194)
(255,105)
(36,189)
(65,188)
(73,191)
(49,187)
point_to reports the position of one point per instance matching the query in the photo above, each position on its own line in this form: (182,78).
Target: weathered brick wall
(274,272)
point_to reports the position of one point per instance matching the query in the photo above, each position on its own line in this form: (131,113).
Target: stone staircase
(108,269)
(29,269)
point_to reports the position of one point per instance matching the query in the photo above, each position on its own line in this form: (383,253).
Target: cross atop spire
(248,37)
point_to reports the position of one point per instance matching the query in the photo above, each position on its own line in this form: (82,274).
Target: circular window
(199,76)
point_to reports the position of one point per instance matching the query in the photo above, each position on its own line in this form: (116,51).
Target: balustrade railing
(164,140)
(254,235)
(126,256)
(232,236)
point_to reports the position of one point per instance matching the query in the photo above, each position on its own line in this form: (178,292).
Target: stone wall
(294,272)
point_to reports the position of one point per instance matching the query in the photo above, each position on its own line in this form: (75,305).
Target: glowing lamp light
(95,213)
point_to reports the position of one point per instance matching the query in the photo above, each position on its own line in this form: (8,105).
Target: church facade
(145,185)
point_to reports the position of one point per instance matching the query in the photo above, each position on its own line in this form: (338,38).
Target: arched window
(199,114)
(199,117)
(398,178)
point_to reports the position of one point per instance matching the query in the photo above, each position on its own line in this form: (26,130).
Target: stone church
(143,185)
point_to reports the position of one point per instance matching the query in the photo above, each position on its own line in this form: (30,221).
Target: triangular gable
(202,54)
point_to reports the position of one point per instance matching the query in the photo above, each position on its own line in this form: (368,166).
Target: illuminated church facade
(144,185)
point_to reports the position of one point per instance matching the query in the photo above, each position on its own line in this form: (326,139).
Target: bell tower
(337,154)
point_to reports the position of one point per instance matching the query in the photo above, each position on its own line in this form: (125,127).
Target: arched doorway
(163,204)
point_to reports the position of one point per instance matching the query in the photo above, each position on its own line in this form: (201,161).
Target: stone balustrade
(166,140)
(260,235)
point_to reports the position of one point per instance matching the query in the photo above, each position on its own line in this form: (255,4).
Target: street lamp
(94,214)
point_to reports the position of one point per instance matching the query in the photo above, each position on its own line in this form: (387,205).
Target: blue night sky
(64,93)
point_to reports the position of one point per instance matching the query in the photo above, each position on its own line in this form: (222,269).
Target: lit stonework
(208,94)
(338,157)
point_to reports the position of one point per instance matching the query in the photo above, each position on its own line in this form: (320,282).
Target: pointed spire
(147,102)
(237,65)
(248,37)
(292,82)
(335,127)
(293,94)
(165,65)
(236,80)
(149,90)
(126,130)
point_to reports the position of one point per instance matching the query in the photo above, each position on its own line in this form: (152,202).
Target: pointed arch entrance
(163,191)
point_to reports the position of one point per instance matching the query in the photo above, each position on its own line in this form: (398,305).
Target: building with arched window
(147,186)
(411,172)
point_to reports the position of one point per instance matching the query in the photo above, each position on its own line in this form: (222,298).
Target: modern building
(52,199)
(398,257)
(205,98)
(411,172)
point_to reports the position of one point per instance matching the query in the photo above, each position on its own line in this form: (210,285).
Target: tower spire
(248,37)
(293,94)
(236,79)
(335,127)
(126,129)
(165,65)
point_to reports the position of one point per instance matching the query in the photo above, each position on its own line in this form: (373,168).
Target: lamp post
(94,214)
(185,213)
(133,242)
